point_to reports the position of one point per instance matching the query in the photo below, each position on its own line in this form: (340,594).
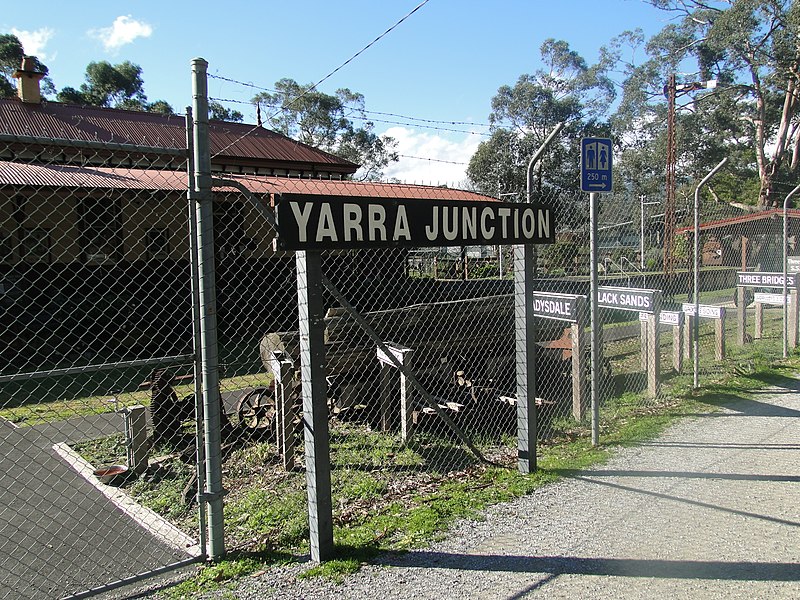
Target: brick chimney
(28,82)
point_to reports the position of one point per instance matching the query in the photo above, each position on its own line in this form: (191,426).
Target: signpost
(596,177)
(769,280)
(675,320)
(570,308)
(596,165)
(707,311)
(641,301)
(309,224)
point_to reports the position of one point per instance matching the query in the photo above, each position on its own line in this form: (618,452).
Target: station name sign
(307,222)
(561,307)
(748,279)
(626,298)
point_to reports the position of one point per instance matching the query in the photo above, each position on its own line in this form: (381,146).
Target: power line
(337,69)
(373,42)
(369,112)
(447,162)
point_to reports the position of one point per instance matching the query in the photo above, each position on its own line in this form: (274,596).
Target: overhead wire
(336,70)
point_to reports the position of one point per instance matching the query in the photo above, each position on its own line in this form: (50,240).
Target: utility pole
(642,204)
(671,91)
(669,202)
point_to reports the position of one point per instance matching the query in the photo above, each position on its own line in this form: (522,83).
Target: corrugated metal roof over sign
(26,175)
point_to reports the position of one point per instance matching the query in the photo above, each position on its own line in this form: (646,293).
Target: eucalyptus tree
(11,55)
(326,121)
(567,89)
(113,86)
(752,49)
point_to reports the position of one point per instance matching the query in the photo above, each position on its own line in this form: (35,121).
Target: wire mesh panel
(97,359)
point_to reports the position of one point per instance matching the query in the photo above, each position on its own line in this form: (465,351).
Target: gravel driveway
(711,509)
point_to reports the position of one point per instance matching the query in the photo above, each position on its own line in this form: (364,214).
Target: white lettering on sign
(401,228)
(302,216)
(377,218)
(625,299)
(353,222)
(765,279)
(552,307)
(486,230)
(326,228)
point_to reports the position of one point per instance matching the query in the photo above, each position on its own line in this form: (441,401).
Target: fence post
(283,369)
(207,294)
(677,340)
(315,405)
(719,331)
(759,332)
(741,323)
(653,353)
(579,363)
(794,311)
(525,358)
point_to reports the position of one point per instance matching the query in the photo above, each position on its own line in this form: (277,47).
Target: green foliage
(11,55)
(218,112)
(324,121)
(750,48)
(117,86)
(567,90)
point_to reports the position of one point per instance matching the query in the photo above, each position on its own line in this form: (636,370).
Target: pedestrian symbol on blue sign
(596,165)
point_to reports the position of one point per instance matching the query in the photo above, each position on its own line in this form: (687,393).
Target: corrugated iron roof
(758,222)
(247,143)
(59,176)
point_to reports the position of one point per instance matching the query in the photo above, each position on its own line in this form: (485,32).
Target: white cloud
(124,30)
(429,149)
(34,42)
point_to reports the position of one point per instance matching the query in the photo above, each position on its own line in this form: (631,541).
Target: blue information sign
(596,165)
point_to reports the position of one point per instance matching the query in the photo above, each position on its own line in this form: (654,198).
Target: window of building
(6,248)
(35,244)
(101,230)
(157,243)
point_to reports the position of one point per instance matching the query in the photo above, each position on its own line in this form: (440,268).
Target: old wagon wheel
(256,409)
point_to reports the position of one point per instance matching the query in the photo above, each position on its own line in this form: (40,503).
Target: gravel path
(711,509)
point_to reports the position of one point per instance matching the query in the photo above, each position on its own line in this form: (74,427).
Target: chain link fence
(99,367)
(96,309)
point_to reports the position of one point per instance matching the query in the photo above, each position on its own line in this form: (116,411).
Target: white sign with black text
(707,311)
(765,298)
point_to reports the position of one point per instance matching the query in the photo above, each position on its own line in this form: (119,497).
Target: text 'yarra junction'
(334,222)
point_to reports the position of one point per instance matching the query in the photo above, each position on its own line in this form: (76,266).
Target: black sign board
(310,222)
(626,299)
(773,280)
(561,307)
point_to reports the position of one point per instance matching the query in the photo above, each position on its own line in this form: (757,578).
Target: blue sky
(444,63)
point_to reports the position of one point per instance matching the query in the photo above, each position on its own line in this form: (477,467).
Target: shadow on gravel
(789,384)
(686,475)
(619,567)
(721,445)
(745,406)
(742,513)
